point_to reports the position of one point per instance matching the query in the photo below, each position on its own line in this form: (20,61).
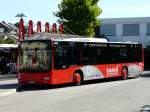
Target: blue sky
(43,9)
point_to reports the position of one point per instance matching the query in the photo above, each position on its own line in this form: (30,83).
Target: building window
(131,29)
(108,29)
(148,28)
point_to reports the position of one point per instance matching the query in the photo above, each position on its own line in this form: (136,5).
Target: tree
(7,41)
(17,24)
(80,15)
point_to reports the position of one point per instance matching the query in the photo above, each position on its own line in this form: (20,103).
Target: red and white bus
(58,58)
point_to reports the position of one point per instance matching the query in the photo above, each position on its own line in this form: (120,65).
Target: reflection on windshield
(34,59)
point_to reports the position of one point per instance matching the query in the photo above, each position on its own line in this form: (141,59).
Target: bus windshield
(34,56)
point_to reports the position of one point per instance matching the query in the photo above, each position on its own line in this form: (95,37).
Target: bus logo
(112,71)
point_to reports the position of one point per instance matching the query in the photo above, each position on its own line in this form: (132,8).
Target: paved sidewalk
(8,76)
(8,87)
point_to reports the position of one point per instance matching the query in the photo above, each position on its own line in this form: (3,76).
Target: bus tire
(19,88)
(124,73)
(77,79)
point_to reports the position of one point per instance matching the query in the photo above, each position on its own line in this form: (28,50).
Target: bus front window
(34,57)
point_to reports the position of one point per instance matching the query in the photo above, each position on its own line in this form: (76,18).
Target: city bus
(8,58)
(53,59)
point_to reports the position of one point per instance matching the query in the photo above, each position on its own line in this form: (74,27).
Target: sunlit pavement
(8,84)
(7,87)
(107,96)
(110,96)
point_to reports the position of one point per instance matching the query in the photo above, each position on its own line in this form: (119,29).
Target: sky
(43,9)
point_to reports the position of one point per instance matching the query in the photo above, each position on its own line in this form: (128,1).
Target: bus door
(62,63)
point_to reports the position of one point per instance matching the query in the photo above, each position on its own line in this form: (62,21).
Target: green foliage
(80,15)
(17,24)
(7,41)
(10,41)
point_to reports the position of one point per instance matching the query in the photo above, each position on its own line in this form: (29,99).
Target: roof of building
(9,26)
(126,20)
(9,31)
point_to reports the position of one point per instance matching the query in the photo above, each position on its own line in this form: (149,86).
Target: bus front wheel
(124,73)
(77,79)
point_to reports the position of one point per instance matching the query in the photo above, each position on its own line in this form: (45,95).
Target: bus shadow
(104,80)
(40,88)
(51,87)
(145,74)
(145,108)
(8,86)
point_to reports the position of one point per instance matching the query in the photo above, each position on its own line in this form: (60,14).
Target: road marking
(8,93)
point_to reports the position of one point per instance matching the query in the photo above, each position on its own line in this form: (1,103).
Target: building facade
(8,30)
(127,30)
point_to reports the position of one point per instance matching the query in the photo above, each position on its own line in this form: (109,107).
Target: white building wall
(119,30)
(141,38)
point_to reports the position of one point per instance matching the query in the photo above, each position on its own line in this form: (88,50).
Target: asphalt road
(102,96)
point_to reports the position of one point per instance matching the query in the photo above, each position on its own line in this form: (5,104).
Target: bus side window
(62,57)
(58,57)
(103,56)
(136,55)
(123,55)
(76,56)
(84,57)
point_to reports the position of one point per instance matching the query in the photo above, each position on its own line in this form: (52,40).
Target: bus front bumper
(38,79)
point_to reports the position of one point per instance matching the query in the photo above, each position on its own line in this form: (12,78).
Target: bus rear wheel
(77,79)
(124,73)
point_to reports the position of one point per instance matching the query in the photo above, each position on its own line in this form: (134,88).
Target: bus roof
(71,38)
(82,39)
(8,45)
(64,37)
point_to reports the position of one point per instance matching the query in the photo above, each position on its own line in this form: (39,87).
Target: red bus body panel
(66,75)
(33,78)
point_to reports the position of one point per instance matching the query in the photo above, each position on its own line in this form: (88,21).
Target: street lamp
(21,15)
(62,20)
